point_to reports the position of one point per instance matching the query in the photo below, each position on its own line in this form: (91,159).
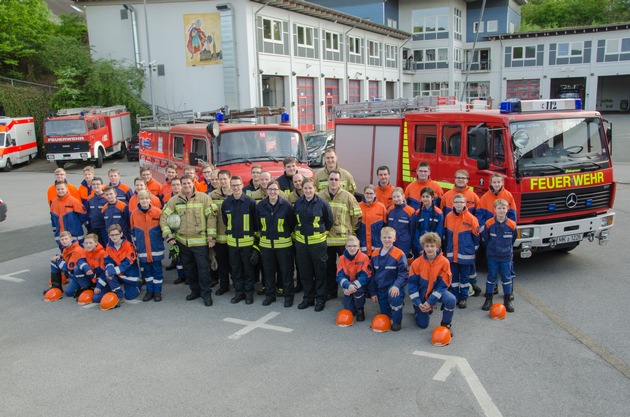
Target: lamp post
(151,63)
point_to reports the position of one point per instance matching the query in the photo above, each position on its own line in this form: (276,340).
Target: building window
(573,49)
(479,90)
(431,89)
(528,89)
(305,37)
(354,45)
(431,55)
(272,30)
(457,24)
(374,47)
(492,25)
(478,27)
(430,20)
(612,46)
(523,52)
(332,41)
(392,23)
(390,52)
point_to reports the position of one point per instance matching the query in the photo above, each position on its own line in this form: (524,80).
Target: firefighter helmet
(174,221)
(497,311)
(109,301)
(441,336)
(381,323)
(345,318)
(85,297)
(53,294)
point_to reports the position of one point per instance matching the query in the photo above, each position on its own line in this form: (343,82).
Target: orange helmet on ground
(441,336)
(345,318)
(109,301)
(85,297)
(381,323)
(52,294)
(497,311)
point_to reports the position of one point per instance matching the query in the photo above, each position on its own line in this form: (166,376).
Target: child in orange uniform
(353,274)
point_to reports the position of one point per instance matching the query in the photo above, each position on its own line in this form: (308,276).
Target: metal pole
(150,64)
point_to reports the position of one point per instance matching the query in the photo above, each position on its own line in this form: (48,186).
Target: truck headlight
(526,233)
(607,221)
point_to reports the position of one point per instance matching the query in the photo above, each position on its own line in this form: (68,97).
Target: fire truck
(555,158)
(17,141)
(87,134)
(232,140)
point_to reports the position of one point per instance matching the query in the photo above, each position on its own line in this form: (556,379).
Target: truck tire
(99,159)
(8,166)
(123,151)
(61,164)
(3,211)
(568,248)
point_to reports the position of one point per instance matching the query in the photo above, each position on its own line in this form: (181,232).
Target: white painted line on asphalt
(136,301)
(91,305)
(11,278)
(480,393)
(258,324)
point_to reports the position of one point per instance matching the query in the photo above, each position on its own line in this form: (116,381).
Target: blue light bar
(511,105)
(284,117)
(219,117)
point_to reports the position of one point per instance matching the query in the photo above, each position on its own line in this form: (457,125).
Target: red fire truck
(232,141)
(555,158)
(91,133)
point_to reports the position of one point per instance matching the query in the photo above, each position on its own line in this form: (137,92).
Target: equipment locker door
(306,104)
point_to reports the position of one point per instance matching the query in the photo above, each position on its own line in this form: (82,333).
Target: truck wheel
(99,160)
(30,159)
(122,153)
(61,164)
(8,166)
(569,248)
(3,211)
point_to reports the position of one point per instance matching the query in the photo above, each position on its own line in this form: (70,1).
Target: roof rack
(189,116)
(397,107)
(92,110)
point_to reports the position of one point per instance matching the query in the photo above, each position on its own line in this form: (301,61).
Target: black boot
(488,303)
(507,302)
(360,314)
(55,281)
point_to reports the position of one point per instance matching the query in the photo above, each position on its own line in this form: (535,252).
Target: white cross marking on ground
(9,277)
(258,324)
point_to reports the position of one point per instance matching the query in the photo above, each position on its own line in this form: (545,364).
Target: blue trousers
(461,277)
(355,301)
(391,306)
(507,275)
(448,301)
(131,286)
(153,275)
(79,279)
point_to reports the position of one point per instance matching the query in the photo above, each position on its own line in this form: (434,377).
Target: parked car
(3,211)
(316,144)
(133,148)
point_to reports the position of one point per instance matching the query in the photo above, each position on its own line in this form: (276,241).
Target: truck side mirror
(193,159)
(13,142)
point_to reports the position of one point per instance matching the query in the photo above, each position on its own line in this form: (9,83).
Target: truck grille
(67,147)
(559,202)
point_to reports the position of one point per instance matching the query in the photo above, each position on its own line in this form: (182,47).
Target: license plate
(569,239)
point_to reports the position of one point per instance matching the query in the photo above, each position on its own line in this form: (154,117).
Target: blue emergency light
(515,105)
(219,117)
(284,118)
(552,207)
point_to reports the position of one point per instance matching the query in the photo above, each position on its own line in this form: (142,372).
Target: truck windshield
(548,147)
(258,145)
(2,140)
(65,127)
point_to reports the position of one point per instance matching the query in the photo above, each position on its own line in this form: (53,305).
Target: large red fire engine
(192,139)
(87,134)
(555,158)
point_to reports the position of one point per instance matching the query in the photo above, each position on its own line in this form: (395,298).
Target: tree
(25,29)
(550,14)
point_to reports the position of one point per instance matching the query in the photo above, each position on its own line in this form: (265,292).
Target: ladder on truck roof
(189,116)
(93,110)
(399,106)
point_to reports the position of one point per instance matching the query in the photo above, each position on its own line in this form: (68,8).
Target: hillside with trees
(555,14)
(51,56)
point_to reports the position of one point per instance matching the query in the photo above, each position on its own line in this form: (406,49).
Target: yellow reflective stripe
(280,225)
(263,224)
(229,225)
(246,222)
(238,242)
(316,222)
(283,242)
(297,217)
(310,240)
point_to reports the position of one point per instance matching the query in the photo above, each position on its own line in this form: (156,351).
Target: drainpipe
(258,89)
(400,69)
(134,33)
(461,96)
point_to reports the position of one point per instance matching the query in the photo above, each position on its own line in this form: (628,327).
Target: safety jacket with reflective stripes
(239,217)
(123,192)
(133,202)
(67,213)
(52,192)
(413,190)
(259,194)
(429,280)
(96,260)
(312,220)
(373,218)
(293,196)
(403,219)
(74,260)
(427,220)
(198,219)
(117,214)
(286,184)
(347,181)
(218,197)
(146,234)
(462,237)
(274,223)
(485,210)
(122,261)
(389,269)
(472,200)
(498,238)
(155,188)
(85,192)
(353,270)
(346,214)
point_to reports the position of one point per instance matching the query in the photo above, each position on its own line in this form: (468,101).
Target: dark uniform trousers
(242,270)
(280,261)
(331,269)
(223,261)
(196,263)
(312,261)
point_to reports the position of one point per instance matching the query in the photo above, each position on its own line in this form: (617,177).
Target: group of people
(223,232)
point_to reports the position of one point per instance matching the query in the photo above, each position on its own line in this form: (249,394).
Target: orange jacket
(372,221)
(154,187)
(412,193)
(133,202)
(472,200)
(356,270)
(72,190)
(428,280)
(384,194)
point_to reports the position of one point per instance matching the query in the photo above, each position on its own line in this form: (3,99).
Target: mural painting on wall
(203,39)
